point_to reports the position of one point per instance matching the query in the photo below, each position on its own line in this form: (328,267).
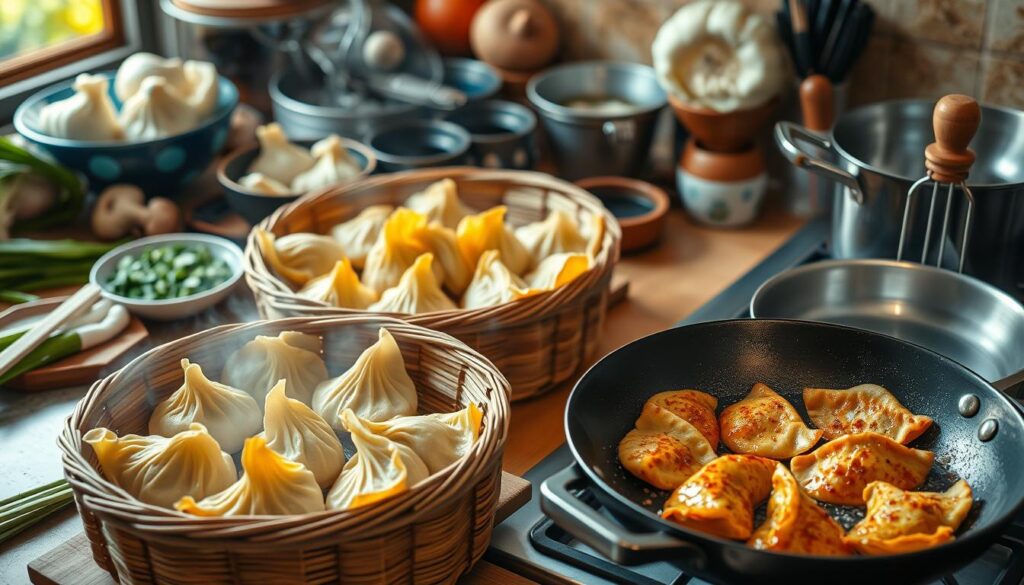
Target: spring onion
(27,508)
(71,195)
(167,272)
(28,265)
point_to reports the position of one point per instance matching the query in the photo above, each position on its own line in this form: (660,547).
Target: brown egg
(520,35)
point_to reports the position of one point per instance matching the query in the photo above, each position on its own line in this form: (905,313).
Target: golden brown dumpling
(765,424)
(693,406)
(839,470)
(555,234)
(493,283)
(720,498)
(340,288)
(442,242)
(439,202)
(487,231)
(417,292)
(358,234)
(795,523)
(397,247)
(301,257)
(899,521)
(664,450)
(557,271)
(864,408)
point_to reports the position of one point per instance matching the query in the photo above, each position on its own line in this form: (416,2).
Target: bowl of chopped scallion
(169,276)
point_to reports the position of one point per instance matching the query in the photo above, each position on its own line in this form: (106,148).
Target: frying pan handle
(610,539)
(787,134)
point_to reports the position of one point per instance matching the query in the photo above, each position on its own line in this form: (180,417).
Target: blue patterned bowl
(162,167)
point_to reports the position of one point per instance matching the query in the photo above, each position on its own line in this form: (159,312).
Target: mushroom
(122,210)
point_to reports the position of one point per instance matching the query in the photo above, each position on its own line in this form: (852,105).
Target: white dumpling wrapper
(299,257)
(558,270)
(444,244)
(139,66)
(291,356)
(440,203)
(263,185)
(358,234)
(292,429)
(203,88)
(439,439)
(340,288)
(487,231)
(87,115)
(279,159)
(417,292)
(493,283)
(555,234)
(333,165)
(156,111)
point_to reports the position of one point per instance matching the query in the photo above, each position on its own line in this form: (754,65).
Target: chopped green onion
(167,272)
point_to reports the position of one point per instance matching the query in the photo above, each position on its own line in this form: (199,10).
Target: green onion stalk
(70,193)
(28,508)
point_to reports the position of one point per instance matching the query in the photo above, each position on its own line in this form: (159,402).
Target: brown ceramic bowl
(639,207)
(723,132)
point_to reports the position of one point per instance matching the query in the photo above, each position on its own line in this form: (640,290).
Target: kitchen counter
(691,265)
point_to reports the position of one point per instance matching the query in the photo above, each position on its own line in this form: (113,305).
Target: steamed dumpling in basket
(340,288)
(417,292)
(555,234)
(558,270)
(301,257)
(440,203)
(487,231)
(395,250)
(493,284)
(358,234)
(439,439)
(292,429)
(292,356)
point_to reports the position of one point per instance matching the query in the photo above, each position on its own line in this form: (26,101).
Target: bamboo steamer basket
(432,533)
(536,342)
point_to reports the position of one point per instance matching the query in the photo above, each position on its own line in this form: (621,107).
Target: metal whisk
(948,160)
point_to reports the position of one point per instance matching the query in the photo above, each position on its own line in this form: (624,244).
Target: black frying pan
(725,358)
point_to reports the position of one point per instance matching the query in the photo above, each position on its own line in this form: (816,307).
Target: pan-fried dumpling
(440,202)
(899,521)
(765,424)
(159,470)
(279,159)
(299,257)
(203,87)
(380,468)
(439,439)
(358,234)
(864,408)
(263,185)
(87,115)
(395,250)
(493,283)
(487,231)
(444,245)
(557,271)
(270,485)
(155,111)
(795,523)
(555,234)
(417,292)
(229,414)
(290,356)
(664,450)
(292,429)
(376,387)
(139,66)
(693,406)
(839,470)
(720,498)
(340,288)
(333,165)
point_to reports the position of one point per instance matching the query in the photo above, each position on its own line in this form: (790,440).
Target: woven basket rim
(113,502)
(263,281)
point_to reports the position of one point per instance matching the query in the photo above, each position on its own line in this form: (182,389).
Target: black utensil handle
(608,538)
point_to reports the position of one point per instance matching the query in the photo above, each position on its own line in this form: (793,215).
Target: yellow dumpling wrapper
(358,234)
(493,283)
(417,292)
(443,244)
(271,485)
(298,258)
(340,288)
(439,439)
(487,231)
(557,271)
(294,430)
(440,202)
(395,250)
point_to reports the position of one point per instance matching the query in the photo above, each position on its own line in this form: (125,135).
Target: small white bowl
(170,309)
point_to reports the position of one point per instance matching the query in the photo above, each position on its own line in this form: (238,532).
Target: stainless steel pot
(879,153)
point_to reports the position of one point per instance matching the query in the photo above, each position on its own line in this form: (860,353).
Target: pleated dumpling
(340,288)
(279,159)
(333,165)
(439,439)
(87,115)
(271,485)
(664,450)
(557,271)
(139,66)
(439,202)
(721,497)
(795,523)
(291,356)
(263,185)
(160,470)
(395,250)
(299,257)
(863,408)
(840,470)
(376,387)
(487,231)
(899,521)
(442,242)
(358,234)
(203,87)
(555,234)
(765,424)
(292,429)
(380,468)
(693,406)
(229,414)
(417,292)
(156,111)
(492,284)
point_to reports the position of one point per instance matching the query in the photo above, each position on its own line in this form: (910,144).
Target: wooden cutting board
(71,563)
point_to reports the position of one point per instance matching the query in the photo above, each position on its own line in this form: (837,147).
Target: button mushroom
(122,210)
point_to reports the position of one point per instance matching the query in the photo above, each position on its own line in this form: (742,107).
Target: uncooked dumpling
(376,387)
(439,438)
(493,283)
(270,485)
(203,87)
(380,468)
(279,159)
(556,234)
(340,288)
(139,66)
(292,429)
(263,185)
(333,165)
(445,247)
(396,248)
(487,231)
(160,470)
(299,257)
(417,292)
(87,115)
(358,234)
(259,364)
(440,203)
(229,414)
(156,111)
(557,271)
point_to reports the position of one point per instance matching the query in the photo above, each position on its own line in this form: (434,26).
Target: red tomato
(446,23)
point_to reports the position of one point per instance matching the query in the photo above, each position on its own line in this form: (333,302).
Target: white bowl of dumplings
(155,122)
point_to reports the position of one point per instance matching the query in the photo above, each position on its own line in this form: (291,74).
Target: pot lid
(241,12)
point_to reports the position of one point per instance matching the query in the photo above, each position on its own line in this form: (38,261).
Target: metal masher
(948,162)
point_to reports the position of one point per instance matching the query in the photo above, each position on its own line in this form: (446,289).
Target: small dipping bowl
(170,309)
(639,207)
(255,206)
(478,80)
(420,144)
(501,133)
